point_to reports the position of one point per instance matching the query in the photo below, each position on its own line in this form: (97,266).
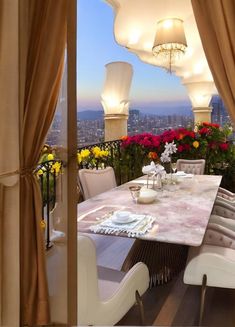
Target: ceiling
(135,27)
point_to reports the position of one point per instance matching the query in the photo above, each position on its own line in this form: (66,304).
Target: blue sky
(152,89)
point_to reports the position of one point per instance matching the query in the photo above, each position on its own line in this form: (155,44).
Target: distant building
(219,112)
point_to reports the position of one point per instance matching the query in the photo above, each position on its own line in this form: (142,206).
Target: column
(200,94)
(202,114)
(115,126)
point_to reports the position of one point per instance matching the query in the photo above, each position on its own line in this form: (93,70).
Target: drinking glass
(135,192)
(173,166)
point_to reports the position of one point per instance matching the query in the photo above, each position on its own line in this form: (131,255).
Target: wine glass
(135,192)
(173,167)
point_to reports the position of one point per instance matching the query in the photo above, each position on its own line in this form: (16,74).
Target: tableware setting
(123,217)
(124,222)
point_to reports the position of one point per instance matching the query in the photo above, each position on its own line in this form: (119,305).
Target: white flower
(149,168)
(160,170)
(165,157)
(170,148)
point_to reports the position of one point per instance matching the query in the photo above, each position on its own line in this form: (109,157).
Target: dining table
(163,229)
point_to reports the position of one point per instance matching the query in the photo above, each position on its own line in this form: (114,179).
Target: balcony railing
(48,180)
(126,166)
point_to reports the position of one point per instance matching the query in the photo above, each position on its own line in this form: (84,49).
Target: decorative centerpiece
(166,156)
(156,171)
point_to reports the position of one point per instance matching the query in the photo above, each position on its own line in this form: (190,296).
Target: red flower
(186,147)
(152,155)
(204,130)
(224,146)
(210,125)
(212,145)
(180,148)
(124,138)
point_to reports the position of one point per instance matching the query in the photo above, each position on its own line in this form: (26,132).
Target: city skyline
(152,88)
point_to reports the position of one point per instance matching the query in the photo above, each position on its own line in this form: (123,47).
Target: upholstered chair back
(196,167)
(223,209)
(88,296)
(96,181)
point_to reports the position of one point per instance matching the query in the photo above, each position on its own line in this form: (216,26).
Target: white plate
(180,173)
(128,220)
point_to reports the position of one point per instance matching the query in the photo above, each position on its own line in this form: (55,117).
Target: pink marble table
(182,213)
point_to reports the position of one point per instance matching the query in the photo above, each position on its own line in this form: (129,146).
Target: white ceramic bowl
(122,215)
(147,195)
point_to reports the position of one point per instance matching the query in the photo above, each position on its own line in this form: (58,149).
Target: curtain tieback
(21,172)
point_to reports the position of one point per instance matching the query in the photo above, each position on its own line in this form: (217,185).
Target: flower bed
(207,141)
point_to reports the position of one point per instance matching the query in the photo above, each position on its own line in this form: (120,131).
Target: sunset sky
(152,88)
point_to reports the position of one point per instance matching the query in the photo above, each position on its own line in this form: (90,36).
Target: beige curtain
(216,24)
(43,72)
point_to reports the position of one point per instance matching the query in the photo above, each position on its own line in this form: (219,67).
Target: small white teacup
(122,215)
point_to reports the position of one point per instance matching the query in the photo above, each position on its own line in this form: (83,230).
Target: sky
(153,90)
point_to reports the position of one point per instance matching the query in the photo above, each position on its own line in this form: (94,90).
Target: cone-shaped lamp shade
(116,88)
(200,93)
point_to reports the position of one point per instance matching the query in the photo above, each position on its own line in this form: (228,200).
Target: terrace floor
(172,304)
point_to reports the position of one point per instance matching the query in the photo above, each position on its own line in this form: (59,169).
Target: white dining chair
(210,265)
(213,264)
(106,295)
(96,181)
(196,167)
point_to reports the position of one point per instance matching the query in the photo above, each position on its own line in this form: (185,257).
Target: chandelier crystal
(170,42)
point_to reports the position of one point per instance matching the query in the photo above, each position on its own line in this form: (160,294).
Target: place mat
(139,226)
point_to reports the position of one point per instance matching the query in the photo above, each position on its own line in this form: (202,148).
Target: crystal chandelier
(170,42)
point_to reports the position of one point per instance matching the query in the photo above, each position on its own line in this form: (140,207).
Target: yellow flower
(196,144)
(42,224)
(96,152)
(85,153)
(40,172)
(50,156)
(56,167)
(104,153)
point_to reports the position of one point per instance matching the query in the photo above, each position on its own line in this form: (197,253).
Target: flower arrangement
(170,148)
(93,158)
(48,162)
(208,141)
(48,170)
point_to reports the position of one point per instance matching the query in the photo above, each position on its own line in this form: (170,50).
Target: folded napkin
(138,226)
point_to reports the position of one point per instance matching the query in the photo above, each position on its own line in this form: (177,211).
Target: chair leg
(141,307)
(202,303)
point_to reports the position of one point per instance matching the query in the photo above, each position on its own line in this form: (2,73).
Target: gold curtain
(216,24)
(43,72)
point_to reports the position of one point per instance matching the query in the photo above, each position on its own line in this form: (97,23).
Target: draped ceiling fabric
(43,72)
(216,24)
